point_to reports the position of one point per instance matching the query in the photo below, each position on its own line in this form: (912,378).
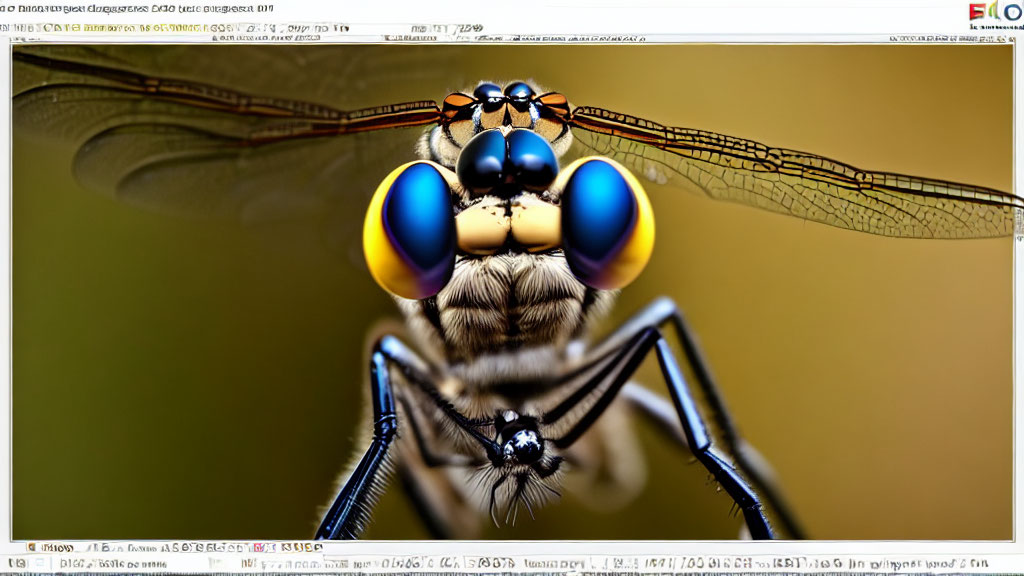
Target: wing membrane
(79,84)
(341,77)
(150,130)
(191,148)
(797,183)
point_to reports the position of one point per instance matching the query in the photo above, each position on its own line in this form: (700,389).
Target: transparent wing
(796,183)
(342,77)
(150,126)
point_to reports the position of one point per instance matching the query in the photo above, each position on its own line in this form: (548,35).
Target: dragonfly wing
(343,77)
(795,183)
(188,147)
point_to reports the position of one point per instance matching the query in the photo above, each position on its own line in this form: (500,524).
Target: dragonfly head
(487,107)
(489,246)
(507,268)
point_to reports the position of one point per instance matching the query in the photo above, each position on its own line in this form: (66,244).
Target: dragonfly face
(490,107)
(614,143)
(502,289)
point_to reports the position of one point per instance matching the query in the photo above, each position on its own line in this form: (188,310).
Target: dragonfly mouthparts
(496,225)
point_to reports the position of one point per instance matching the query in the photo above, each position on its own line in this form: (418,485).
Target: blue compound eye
(488,92)
(519,95)
(490,96)
(481,166)
(519,91)
(531,161)
(409,232)
(523,158)
(607,223)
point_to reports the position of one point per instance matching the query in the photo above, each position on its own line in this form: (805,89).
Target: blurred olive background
(200,379)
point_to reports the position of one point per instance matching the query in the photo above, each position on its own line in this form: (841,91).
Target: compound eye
(488,91)
(519,91)
(607,223)
(490,96)
(531,161)
(519,95)
(409,232)
(481,165)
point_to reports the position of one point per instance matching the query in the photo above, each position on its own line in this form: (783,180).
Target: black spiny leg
(351,508)
(441,507)
(700,444)
(612,372)
(748,460)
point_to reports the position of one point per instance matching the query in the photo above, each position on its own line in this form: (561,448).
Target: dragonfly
(150,133)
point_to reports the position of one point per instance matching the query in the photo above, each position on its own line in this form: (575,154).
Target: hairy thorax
(506,317)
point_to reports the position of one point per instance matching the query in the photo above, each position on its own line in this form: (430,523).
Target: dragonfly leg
(431,457)
(754,466)
(351,509)
(700,443)
(607,381)
(439,502)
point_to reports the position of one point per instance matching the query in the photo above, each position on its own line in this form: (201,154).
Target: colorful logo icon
(1010,11)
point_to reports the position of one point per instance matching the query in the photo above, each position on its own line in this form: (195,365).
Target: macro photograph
(512,292)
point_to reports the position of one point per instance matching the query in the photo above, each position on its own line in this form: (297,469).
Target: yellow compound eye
(607,223)
(409,232)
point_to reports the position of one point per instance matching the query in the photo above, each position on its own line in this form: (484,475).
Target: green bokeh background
(198,379)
